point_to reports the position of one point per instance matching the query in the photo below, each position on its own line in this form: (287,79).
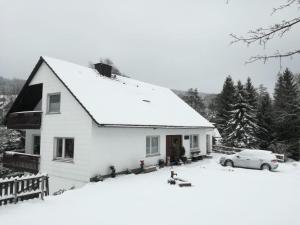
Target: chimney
(103,69)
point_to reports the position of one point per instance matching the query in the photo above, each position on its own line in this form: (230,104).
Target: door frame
(169,145)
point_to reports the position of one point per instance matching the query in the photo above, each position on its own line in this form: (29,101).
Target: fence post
(47,185)
(15,189)
(43,185)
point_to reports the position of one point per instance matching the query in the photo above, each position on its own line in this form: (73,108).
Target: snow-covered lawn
(219,196)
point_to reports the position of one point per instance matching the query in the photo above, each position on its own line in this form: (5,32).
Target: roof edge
(29,79)
(85,109)
(152,126)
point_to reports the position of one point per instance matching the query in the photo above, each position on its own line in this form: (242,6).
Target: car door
(242,160)
(255,160)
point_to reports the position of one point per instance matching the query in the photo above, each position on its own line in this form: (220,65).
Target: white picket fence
(15,189)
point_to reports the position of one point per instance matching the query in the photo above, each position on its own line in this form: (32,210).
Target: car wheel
(265,167)
(229,163)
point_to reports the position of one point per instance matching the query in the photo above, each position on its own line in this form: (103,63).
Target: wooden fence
(13,190)
(225,149)
(21,161)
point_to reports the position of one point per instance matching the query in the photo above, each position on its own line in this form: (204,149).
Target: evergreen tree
(251,93)
(287,113)
(264,118)
(193,99)
(241,127)
(225,100)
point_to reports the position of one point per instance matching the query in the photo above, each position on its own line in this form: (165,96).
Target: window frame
(63,158)
(192,146)
(48,102)
(151,153)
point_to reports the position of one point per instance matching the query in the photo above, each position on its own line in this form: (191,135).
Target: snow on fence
(13,190)
(232,150)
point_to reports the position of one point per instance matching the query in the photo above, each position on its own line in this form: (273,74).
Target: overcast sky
(177,43)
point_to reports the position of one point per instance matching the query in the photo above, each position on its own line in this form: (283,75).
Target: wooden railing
(21,161)
(24,120)
(13,190)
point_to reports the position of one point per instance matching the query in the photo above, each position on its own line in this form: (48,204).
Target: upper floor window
(194,141)
(53,103)
(152,145)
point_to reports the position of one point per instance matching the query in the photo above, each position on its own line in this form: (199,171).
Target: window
(53,103)
(36,144)
(194,141)
(64,148)
(152,145)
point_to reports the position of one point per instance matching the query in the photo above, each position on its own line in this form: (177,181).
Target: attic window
(53,103)
(145,100)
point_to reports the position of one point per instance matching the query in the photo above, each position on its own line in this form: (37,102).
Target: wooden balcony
(24,120)
(21,162)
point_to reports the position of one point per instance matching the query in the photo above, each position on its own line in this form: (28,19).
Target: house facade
(80,121)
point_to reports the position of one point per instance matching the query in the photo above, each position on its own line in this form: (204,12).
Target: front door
(36,144)
(171,141)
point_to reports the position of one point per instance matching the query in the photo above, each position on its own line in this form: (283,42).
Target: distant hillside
(9,88)
(207,98)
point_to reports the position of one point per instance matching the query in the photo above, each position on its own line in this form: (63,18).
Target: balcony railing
(21,161)
(24,120)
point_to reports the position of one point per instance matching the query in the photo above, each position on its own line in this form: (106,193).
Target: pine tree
(241,127)
(251,93)
(193,99)
(225,101)
(264,118)
(287,113)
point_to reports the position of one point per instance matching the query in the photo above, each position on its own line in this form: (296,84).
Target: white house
(80,121)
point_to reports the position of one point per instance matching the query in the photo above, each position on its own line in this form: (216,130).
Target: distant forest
(10,86)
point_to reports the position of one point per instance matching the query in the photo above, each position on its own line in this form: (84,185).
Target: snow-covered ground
(219,195)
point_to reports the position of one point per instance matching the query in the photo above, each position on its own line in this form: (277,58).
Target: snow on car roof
(257,151)
(123,100)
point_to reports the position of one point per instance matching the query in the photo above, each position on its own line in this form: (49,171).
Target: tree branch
(263,35)
(265,58)
(283,6)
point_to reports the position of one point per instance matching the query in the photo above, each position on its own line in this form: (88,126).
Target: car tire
(265,167)
(228,163)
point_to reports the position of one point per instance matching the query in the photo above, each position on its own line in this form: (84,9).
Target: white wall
(125,147)
(29,134)
(73,121)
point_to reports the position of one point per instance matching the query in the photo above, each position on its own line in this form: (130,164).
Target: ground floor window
(64,148)
(152,145)
(36,144)
(194,141)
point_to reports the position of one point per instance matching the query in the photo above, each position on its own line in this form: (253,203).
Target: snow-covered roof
(124,101)
(216,133)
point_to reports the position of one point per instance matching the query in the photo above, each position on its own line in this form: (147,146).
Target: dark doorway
(171,141)
(36,144)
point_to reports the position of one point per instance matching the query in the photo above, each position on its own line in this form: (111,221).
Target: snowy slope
(219,196)
(124,100)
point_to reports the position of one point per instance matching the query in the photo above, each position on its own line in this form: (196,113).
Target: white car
(254,159)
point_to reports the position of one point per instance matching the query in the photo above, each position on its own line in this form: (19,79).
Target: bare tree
(264,34)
